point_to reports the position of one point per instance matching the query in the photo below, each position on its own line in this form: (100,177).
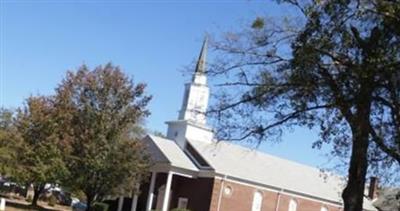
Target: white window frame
(257,201)
(292,205)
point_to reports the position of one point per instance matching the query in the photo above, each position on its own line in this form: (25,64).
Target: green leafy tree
(8,139)
(336,68)
(101,112)
(39,161)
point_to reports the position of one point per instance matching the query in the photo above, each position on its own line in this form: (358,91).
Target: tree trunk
(37,190)
(89,201)
(27,185)
(353,194)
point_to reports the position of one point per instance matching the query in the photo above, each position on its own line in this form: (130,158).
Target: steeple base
(181,130)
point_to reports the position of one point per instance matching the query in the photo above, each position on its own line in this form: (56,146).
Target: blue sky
(151,40)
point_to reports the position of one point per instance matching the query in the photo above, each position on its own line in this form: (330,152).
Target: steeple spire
(201,62)
(199,76)
(192,123)
(195,100)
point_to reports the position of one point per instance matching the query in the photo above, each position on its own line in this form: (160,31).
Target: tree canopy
(38,159)
(84,138)
(336,68)
(7,133)
(101,111)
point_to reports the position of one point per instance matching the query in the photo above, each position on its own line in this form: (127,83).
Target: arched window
(257,201)
(323,208)
(292,205)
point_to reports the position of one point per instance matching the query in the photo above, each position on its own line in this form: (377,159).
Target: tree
(101,112)
(39,161)
(7,141)
(338,71)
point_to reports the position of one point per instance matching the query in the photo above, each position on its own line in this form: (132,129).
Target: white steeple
(195,99)
(191,123)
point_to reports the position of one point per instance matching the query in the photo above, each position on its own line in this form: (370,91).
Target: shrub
(99,206)
(52,201)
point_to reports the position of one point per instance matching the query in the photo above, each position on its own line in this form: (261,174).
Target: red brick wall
(241,199)
(204,194)
(197,190)
(303,204)
(215,195)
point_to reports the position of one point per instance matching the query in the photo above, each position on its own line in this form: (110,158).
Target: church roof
(251,166)
(165,151)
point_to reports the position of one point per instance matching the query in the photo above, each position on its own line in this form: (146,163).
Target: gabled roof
(252,165)
(166,151)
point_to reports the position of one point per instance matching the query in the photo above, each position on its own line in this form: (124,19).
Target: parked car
(80,206)
(64,198)
(74,201)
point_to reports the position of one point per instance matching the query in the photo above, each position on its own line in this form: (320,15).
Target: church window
(182,203)
(292,205)
(323,208)
(257,201)
(228,190)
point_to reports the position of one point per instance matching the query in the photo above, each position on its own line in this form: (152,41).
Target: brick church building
(193,171)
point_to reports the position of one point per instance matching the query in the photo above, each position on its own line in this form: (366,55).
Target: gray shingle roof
(167,151)
(237,161)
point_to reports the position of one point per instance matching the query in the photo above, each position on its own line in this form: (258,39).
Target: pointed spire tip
(201,62)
